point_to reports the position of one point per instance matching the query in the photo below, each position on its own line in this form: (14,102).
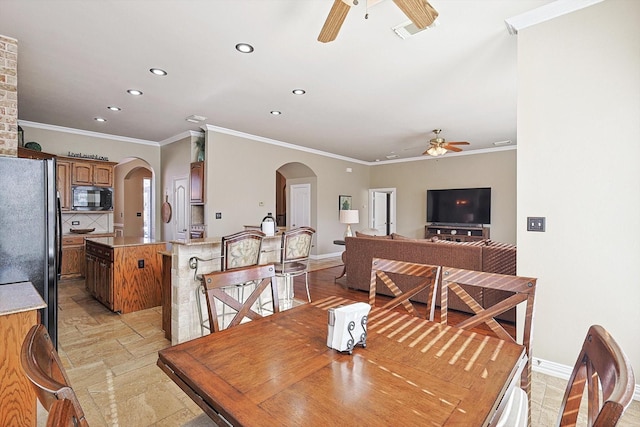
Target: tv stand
(456,232)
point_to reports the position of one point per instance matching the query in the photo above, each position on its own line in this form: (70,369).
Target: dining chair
(42,365)
(388,271)
(294,258)
(500,293)
(62,414)
(241,249)
(217,282)
(606,371)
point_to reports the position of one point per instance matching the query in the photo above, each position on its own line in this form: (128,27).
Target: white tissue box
(347,326)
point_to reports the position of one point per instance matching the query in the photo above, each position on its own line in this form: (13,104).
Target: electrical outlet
(535,223)
(140,263)
(75,222)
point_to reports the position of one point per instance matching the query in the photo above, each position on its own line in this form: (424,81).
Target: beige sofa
(486,256)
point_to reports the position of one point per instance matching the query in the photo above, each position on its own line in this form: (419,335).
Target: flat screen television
(459,206)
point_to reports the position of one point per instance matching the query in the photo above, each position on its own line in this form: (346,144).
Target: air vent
(195,119)
(408,29)
(392,156)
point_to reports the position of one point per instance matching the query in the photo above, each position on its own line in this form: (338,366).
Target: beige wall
(412,180)
(236,188)
(578,153)
(176,158)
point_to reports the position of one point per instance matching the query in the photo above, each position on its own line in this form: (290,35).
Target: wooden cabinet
(456,233)
(92,173)
(63,182)
(33,154)
(124,278)
(196,179)
(19,304)
(73,255)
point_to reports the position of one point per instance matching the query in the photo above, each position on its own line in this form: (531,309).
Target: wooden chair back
(262,275)
(428,275)
(241,249)
(605,369)
(42,365)
(63,414)
(505,292)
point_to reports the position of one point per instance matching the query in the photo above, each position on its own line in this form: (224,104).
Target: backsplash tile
(102,222)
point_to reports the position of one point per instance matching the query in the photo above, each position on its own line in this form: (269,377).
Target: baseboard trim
(558,370)
(323,256)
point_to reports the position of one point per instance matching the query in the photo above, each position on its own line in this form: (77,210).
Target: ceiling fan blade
(458,143)
(420,12)
(334,21)
(452,148)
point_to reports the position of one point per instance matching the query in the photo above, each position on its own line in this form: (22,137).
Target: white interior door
(181,207)
(300,205)
(380,214)
(383,210)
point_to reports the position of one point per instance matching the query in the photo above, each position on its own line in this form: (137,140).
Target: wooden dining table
(278,371)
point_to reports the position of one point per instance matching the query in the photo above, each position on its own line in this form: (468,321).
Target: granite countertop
(216,240)
(117,242)
(19,297)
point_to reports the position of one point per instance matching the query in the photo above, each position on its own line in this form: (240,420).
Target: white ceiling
(369,93)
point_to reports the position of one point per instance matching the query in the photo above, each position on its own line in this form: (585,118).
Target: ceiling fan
(420,12)
(439,147)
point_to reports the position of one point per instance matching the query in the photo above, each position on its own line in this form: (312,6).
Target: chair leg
(306,282)
(199,294)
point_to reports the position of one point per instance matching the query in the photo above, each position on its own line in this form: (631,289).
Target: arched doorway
(294,205)
(134,199)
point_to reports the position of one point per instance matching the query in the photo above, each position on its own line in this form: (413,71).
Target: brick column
(8,96)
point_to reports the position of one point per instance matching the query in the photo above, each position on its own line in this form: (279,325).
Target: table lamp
(349,217)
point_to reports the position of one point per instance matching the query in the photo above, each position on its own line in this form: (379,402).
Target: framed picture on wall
(344,203)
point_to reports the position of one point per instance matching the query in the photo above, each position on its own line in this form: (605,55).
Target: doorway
(181,199)
(134,199)
(300,205)
(295,184)
(382,215)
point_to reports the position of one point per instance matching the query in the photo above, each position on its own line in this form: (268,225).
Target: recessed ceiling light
(114,108)
(244,48)
(276,112)
(99,119)
(158,71)
(135,92)
(299,92)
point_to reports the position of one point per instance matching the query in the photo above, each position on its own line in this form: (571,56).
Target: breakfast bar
(185,321)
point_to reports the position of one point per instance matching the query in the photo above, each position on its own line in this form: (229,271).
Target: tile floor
(111,362)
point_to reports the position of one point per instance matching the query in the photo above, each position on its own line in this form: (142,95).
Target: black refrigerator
(30,231)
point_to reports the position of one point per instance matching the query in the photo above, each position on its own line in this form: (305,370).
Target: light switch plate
(535,223)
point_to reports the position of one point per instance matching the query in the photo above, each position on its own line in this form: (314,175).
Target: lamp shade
(349,217)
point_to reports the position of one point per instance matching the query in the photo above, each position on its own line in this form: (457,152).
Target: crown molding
(86,133)
(180,136)
(545,13)
(282,144)
(348,159)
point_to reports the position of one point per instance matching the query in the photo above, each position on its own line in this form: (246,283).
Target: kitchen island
(124,273)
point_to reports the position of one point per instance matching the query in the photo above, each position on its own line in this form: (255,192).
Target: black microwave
(92,198)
